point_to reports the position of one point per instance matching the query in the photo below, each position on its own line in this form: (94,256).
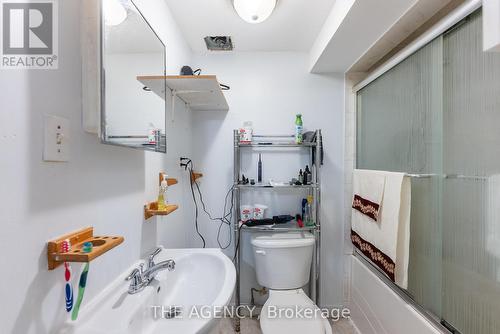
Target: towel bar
(448,176)
(458,176)
(421,176)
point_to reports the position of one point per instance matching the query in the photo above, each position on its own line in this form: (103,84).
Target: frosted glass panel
(471,215)
(399,115)
(399,128)
(438,112)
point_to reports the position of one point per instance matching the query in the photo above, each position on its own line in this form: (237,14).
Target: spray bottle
(308,215)
(298,129)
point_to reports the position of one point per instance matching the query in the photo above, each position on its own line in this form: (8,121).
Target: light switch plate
(56,139)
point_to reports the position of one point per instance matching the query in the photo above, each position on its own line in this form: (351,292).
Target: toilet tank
(283,260)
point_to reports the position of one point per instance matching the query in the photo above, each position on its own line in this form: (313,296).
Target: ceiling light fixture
(114,12)
(254,11)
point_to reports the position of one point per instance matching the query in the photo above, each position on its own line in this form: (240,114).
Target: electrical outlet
(184,162)
(56,139)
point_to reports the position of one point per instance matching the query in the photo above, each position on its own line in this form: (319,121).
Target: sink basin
(203,280)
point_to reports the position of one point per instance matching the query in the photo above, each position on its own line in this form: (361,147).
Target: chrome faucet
(141,278)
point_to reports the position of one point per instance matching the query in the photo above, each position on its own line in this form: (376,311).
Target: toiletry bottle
(246,132)
(308,216)
(301,177)
(162,194)
(298,129)
(304,203)
(307,175)
(151,134)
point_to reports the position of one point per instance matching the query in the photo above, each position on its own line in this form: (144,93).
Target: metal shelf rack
(314,189)
(268,186)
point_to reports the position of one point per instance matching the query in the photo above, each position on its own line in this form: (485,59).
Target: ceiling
(414,22)
(293,26)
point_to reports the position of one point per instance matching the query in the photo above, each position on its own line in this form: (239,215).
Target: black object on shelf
(282,219)
(259,169)
(187,70)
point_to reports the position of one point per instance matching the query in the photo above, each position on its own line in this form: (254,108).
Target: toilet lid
(290,312)
(284,240)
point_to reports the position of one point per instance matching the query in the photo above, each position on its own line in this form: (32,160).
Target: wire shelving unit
(314,189)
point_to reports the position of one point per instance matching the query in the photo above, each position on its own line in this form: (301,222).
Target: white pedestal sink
(202,283)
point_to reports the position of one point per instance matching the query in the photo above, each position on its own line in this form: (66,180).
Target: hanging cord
(227,214)
(189,165)
(226,217)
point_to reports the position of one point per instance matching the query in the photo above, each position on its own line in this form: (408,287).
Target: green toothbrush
(87,248)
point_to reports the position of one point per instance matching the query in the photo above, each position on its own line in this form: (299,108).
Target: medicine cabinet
(131,114)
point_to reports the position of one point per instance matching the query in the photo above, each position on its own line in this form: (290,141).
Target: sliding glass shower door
(399,129)
(436,115)
(471,196)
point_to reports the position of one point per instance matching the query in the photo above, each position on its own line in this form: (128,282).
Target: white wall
(131,114)
(172,231)
(269,89)
(102,186)
(491,25)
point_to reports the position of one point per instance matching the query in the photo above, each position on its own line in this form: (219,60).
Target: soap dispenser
(162,194)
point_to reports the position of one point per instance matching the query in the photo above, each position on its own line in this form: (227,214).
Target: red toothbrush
(68,289)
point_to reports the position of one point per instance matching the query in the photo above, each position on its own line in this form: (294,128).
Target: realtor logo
(29,34)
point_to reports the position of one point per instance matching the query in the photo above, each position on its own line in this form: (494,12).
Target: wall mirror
(131,114)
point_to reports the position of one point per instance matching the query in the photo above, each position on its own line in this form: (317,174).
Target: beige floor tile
(250,326)
(226,326)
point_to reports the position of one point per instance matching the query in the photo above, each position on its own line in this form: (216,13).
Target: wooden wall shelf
(199,92)
(151,210)
(195,176)
(170,181)
(101,244)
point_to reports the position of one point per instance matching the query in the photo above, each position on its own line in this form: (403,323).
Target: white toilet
(283,262)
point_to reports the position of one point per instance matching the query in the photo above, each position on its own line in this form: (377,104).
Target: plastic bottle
(307,175)
(308,215)
(162,194)
(298,129)
(152,134)
(246,132)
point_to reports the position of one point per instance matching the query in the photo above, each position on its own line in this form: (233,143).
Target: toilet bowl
(282,263)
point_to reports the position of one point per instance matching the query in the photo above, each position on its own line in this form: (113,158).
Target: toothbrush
(68,289)
(87,248)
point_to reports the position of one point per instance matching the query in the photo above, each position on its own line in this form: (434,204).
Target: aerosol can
(298,129)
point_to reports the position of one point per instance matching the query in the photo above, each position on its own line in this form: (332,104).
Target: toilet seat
(285,311)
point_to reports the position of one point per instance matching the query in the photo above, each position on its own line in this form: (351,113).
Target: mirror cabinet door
(131,114)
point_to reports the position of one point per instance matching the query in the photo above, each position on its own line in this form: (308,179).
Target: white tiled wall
(349,163)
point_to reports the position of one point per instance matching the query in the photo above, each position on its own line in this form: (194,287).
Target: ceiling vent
(219,43)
